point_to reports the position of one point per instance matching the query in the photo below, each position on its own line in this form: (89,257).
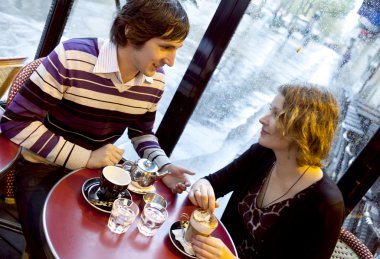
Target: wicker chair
(9,67)
(20,79)
(350,247)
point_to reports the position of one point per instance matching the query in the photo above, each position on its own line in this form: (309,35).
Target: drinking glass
(152,218)
(123,213)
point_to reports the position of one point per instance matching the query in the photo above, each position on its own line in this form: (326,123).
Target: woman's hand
(202,194)
(177,180)
(210,248)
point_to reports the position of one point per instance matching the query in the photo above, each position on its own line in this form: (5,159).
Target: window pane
(322,42)
(21,27)
(90,19)
(200,13)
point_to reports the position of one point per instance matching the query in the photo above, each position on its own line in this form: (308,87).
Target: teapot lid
(147,165)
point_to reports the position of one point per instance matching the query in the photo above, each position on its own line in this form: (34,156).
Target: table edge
(10,164)
(49,244)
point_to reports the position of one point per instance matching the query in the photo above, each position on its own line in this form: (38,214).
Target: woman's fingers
(202,194)
(205,247)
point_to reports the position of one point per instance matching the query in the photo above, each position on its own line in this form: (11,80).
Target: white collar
(107,64)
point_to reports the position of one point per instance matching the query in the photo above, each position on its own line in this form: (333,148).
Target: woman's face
(271,136)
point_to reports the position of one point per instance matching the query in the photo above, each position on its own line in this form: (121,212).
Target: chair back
(23,75)
(350,247)
(21,78)
(9,67)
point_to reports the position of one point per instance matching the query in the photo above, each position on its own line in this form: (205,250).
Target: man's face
(154,54)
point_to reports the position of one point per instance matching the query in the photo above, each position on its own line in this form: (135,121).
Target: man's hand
(176,181)
(106,155)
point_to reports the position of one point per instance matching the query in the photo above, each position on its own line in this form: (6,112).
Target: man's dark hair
(147,19)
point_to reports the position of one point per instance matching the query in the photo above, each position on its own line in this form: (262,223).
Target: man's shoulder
(88,45)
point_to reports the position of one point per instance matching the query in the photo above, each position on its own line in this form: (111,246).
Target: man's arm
(147,146)
(23,124)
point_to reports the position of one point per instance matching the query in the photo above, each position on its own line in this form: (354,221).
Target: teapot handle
(127,164)
(162,174)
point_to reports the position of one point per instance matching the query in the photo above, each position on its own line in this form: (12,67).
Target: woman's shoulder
(260,150)
(256,156)
(328,191)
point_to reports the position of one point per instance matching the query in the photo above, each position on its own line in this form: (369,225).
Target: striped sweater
(65,110)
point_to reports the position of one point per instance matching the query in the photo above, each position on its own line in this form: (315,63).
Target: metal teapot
(143,171)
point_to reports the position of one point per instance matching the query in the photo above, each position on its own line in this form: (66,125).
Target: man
(84,95)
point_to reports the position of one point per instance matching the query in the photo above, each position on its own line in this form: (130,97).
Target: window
(321,42)
(21,26)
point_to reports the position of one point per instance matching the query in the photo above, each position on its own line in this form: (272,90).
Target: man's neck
(125,62)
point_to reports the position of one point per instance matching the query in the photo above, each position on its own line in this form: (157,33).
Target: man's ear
(126,30)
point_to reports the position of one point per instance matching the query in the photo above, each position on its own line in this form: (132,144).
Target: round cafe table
(9,152)
(74,229)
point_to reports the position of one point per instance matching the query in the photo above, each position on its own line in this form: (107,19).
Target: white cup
(201,223)
(113,181)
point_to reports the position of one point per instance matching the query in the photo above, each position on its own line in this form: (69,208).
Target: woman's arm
(239,170)
(204,192)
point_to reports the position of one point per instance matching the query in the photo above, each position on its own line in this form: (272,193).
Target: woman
(283,204)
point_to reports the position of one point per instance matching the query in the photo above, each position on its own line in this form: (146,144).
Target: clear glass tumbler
(123,213)
(152,217)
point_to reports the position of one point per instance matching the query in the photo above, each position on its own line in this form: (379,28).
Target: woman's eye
(273,111)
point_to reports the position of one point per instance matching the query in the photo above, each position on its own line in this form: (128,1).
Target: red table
(74,229)
(9,152)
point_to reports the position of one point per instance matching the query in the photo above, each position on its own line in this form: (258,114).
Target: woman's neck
(286,170)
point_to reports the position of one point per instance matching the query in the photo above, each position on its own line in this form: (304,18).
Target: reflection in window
(322,42)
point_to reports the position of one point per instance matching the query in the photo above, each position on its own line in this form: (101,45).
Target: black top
(309,227)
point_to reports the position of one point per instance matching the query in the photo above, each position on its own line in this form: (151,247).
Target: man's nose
(169,59)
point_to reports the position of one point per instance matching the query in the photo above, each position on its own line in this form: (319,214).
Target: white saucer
(176,243)
(136,188)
